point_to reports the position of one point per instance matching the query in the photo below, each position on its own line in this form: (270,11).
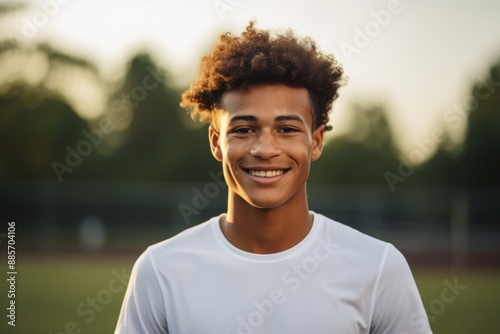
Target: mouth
(265,173)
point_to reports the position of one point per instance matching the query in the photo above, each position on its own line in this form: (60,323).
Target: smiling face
(266,143)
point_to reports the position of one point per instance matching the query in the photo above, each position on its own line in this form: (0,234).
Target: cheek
(301,157)
(233,152)
(302,150)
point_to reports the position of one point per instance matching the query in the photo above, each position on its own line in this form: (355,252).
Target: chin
(265,203)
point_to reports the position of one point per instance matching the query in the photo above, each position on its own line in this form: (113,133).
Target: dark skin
(266,143)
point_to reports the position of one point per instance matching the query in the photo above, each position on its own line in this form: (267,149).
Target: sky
(416,57)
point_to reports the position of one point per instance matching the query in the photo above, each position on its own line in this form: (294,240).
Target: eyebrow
(237,118)
(289,118)
(281,118)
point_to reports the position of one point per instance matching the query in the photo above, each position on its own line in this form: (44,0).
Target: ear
(213,138)
(318,137)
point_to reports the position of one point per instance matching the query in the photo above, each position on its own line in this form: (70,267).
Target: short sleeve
(143,308)
(398,307)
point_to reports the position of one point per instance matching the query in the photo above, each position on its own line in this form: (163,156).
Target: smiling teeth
(266,173)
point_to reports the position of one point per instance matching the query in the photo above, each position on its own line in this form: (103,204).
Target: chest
(295,298)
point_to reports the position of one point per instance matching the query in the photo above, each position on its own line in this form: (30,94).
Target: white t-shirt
(336,280)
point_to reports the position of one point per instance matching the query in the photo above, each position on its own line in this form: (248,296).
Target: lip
(265,168)
(265,180)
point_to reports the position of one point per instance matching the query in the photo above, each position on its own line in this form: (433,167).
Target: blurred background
(98,161)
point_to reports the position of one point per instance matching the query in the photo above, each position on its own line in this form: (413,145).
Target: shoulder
(382,269)
(189,237)
(352,241)
(164,254)
(357,249)
(188,244)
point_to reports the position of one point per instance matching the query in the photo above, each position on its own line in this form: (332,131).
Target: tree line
(143,135)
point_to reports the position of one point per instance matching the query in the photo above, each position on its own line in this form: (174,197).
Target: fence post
(459,230)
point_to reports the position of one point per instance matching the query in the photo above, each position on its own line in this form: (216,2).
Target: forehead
(267,101)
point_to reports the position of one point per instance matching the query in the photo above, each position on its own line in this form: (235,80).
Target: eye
(287,129)
(242,130)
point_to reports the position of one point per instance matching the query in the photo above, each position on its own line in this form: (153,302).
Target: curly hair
(259,58)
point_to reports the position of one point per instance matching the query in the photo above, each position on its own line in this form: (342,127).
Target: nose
(265,146)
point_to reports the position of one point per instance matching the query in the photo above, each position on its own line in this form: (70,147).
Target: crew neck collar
(266,258)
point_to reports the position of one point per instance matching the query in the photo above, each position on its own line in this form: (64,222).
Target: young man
(269,265)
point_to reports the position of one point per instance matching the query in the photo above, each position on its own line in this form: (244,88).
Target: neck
(266,231)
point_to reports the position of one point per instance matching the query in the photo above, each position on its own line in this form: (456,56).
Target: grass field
(76,295)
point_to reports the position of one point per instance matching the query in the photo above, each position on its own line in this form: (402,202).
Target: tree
(156,141)
(38,121)
(35,128)
(363,154)
(477,161)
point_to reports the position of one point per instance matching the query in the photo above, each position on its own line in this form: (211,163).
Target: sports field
(83,295)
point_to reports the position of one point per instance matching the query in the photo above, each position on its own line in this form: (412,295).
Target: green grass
(475,309)
(52,296)
(49,294)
